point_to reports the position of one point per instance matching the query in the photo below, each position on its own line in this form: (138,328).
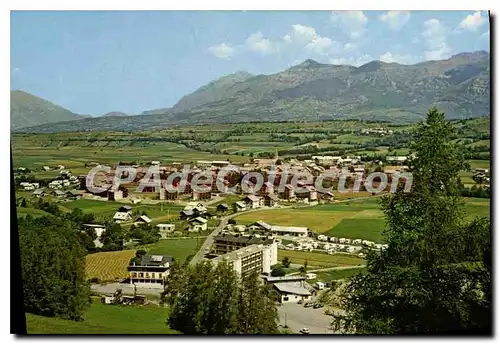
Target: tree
(278,271)
(112,238)
(52,268)
(435,274)
(231,221)
(204,299)
(286,262)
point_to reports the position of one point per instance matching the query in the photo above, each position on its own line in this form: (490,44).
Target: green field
(325,276)
(361,219)
(180,249)
(105,319)
(320,260)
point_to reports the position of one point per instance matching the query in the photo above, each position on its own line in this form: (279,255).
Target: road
(297,317)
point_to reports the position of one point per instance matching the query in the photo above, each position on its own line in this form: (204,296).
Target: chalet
(193,209)
(198,224)
(125,209)
(270,200)
(142,220)
(121,216)
(222,207)
(74,194)
(150,270)
(58,193)
(38,193)
(240,206)
(260,227)
(309,192)
(252,201)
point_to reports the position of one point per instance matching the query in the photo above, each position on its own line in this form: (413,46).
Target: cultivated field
(180,249)
(108,266)
(105,319)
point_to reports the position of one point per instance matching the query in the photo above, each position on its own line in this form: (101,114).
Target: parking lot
(296,317)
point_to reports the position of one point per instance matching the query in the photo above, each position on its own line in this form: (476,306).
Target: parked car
(308,304)
(300,302)
(305,330)
(317,305)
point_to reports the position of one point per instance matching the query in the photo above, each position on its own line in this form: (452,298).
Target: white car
(304,330)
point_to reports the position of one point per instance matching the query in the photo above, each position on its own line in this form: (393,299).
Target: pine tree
(435,274)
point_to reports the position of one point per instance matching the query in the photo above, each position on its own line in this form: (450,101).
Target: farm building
(240,206)
(38,193)
(291,288)
(74,194)
(192,210)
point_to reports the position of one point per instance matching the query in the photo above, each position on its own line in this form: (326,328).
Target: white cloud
(306,37)
(320,45)
(222,51)
(486,35)
(435,36)
(350,47)
(350,22)
(473,21)
(395,19)
(352,60)
(402,59)
(257,42)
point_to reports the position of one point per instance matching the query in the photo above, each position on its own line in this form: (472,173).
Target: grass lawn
(320,260)
(477,207)
(180,249)
(357,228)
(108,266)
(105,319)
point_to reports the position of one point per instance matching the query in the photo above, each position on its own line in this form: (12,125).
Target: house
(222,207)
(38,193)
(250,259)
(74,194)
(120,217)
(142,220)
(125,209)
(165,228)
(198,224)
(252,201)
(193,209)
(57,193)
(270,200)
(260,227)
(293,291)
(150,270)
(301,232)
(240,206)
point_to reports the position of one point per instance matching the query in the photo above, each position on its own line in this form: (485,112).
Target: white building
(198,224)
(120,217)
(165,228)
(301,232)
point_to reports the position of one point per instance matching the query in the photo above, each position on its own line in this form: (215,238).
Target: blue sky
(97,62)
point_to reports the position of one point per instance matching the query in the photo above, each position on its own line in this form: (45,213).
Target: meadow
(355,219)
(105,319)
(320,260)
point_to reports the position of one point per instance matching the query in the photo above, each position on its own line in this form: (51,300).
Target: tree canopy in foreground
(435,274)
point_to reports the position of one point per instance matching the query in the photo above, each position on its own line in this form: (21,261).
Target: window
(141,274)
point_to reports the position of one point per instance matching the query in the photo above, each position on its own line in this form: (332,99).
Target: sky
(94,62)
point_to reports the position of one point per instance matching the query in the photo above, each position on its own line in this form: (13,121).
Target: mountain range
(459,86)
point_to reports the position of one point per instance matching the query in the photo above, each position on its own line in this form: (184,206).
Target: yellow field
(108,265)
